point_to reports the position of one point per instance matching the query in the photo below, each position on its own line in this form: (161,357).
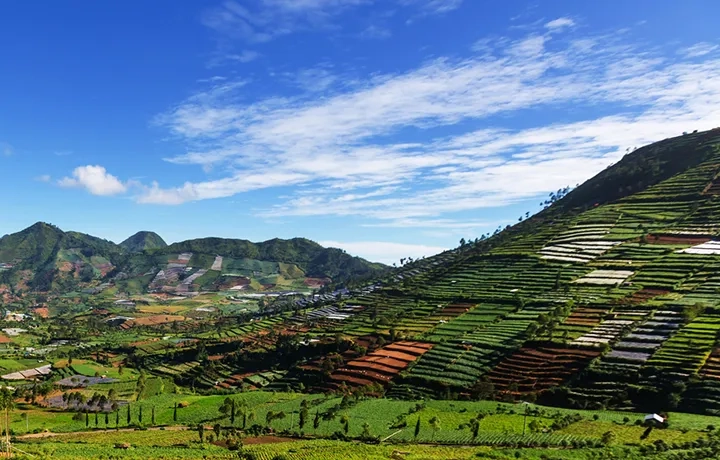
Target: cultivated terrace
(588,330)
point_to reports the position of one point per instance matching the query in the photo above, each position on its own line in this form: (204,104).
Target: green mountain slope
(609,297)
(143,241)
(314,259)
(44,258)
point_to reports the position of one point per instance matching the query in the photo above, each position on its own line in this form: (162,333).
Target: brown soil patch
(677,239)
(154,320)
(42,312)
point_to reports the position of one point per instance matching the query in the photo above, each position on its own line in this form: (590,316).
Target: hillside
(143,241)
(607,298)
(44,258)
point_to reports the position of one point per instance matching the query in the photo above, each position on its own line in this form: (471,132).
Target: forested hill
(45,258)
(143,241)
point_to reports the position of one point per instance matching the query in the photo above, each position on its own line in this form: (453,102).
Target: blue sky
(390,128)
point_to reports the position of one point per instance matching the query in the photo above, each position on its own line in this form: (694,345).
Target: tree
(7,404)
(175,413)
(316,421)
(152,416)
(87,419)
(303,413)
(201,432)
(435,425)
(117,418)
(345,421)
(128,414)
(216,429)
(417,428)
(366,431)
(140,415)
(607,438)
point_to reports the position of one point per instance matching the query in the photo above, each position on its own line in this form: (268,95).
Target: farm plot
(332,313)
(650,335)
(446,327)
(605,277)
(583,243)
(217,263)
(711,368)
(709,248)
(381,365)
(460,362)
(531,370)
(581,321)
(29,373)
(81,381)
(154,320)
(643,295)
(686,351)
(606,332)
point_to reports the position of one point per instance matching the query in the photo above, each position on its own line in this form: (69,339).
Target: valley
(590,329)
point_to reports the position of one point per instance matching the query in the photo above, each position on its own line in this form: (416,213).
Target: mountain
(45,258)
(313,259)
(143,241)
(608,297)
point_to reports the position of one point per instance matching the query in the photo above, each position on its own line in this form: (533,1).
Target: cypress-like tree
(175,413)
(96,419)
(316,421)
(128,415)
(107,419)
(87,419)
(417,428)
(152,416)
(117,418)
(140,415)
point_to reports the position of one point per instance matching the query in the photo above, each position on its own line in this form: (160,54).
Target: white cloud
(384,252)
(699,49)
(43,178)
(379,149)
(244,56)
(265,20)
(559,24)
(434,6)
(269,19)
(375,32)
(94,179)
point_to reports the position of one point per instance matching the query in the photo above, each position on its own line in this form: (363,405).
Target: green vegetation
(553,338)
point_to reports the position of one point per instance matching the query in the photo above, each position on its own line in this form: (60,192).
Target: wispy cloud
(243,57)
(382,149)
(94,179)
(375,32)
(434,6)
(43,178)
(268,19)
(559,24)
(699,49)
(265,20)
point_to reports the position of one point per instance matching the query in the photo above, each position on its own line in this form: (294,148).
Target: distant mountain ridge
(42,257)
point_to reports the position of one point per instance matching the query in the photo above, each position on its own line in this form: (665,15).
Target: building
(654,420)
